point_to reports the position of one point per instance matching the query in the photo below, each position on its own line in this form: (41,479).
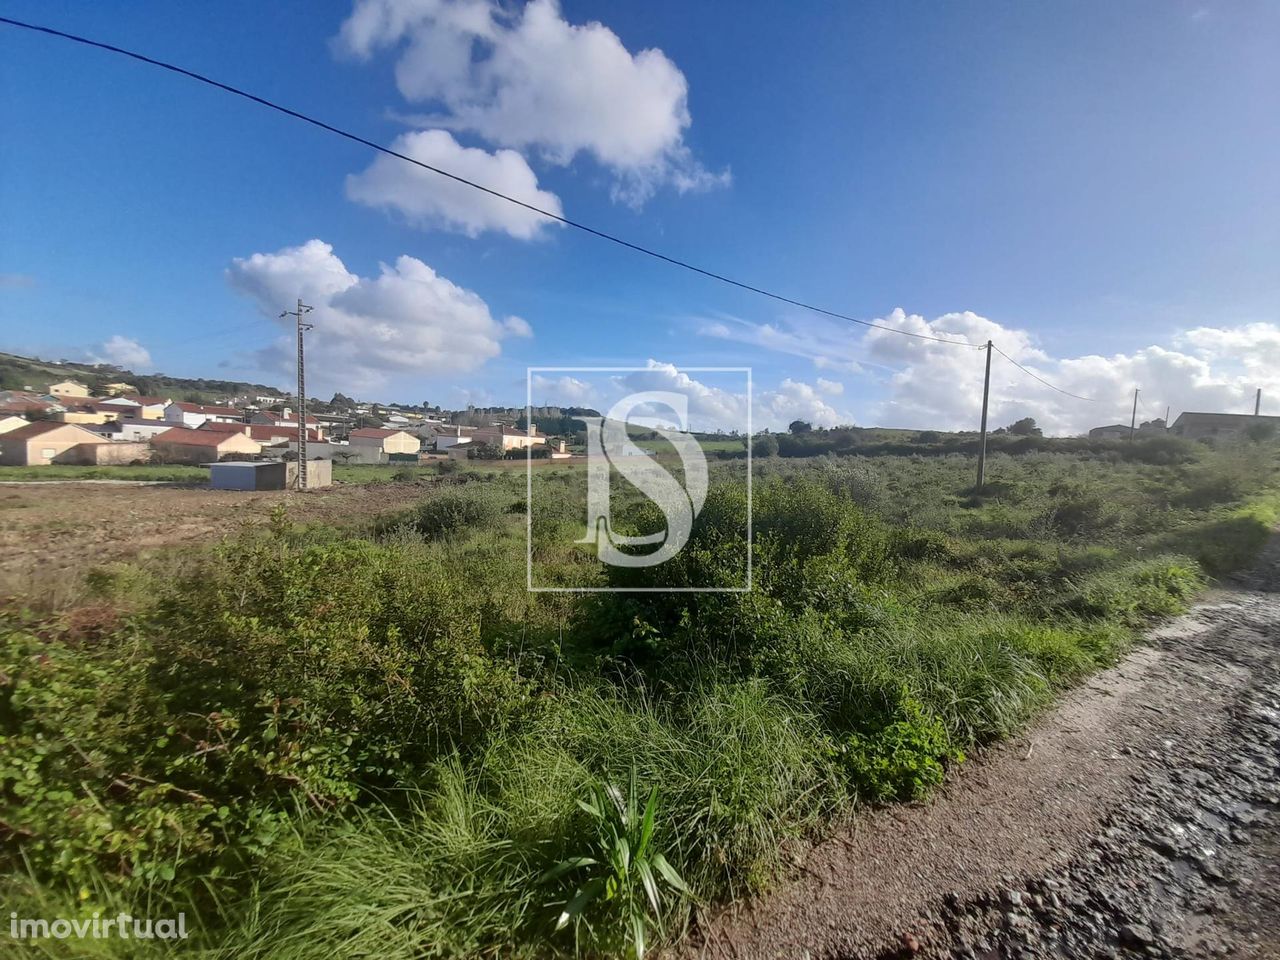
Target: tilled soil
(51,533)
(1141,818)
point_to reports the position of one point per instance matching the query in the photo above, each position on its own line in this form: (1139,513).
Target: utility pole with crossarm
(298,314)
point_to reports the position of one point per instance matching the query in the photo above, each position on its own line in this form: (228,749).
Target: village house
(263,433)
(285,418)
(194,414)
(130,429)
(24,403)
(69,388)
(116,389)
(184,445)
(452,435)
(388,441)
(45,442)
(508,438)
(1202,426)
(141,408)
(9,423)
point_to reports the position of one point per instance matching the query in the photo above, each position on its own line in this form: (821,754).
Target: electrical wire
(356,138)
(1036,376)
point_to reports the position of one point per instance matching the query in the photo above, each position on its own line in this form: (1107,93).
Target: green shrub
(903,758)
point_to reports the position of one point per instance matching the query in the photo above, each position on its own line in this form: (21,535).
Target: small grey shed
(247,475)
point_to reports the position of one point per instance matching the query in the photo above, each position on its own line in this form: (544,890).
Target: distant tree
(483,451)
(364,420)
(800,426)
(765,445)
(928,436)
(1026,427)
(341,401)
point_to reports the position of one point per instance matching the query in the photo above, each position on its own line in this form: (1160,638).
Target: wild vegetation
(323,744)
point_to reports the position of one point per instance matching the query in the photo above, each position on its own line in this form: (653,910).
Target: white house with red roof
(194,414)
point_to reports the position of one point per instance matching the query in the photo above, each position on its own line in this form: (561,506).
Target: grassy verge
(172,473)
(326,745)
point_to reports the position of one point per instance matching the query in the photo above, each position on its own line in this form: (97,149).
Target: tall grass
(343,746)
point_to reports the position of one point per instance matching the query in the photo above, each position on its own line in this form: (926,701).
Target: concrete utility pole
(1257,402)
(1166,417)
(982,443)
(298,314)
(1133,421)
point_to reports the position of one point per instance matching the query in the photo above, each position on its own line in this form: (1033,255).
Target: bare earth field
(50,533)
(1140,818)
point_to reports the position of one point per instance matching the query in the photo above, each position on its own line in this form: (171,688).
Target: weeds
(335,746)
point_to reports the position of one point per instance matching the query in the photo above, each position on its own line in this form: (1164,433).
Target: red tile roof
(40,427)
(191,438)
(281,418)
(374,433)
(208,411)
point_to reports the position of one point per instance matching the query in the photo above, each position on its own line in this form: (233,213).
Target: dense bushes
(380,745)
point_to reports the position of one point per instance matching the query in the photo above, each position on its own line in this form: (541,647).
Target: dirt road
(1141,818)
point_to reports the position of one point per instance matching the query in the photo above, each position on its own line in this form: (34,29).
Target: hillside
(18,372)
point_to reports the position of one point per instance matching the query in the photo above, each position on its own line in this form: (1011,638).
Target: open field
(344,727)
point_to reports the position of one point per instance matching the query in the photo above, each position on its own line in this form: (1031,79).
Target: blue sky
(1093,185)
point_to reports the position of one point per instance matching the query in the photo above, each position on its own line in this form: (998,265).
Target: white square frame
(528,413)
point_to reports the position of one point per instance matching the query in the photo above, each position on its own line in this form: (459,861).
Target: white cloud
(408,319)
(797,400)
(832,388)
(518,327)
(428,199)
(531,80)
(716,402)
(564,391)
(123,352)
(939,385)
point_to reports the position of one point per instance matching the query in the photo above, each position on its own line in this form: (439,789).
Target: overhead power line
(364,141)
(1036,376)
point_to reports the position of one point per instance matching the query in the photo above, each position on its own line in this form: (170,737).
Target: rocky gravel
(1140,819)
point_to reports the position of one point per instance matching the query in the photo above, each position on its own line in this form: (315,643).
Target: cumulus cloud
(797,400)
(716,401)
(529,79)
(121,351)
(427,199)
(939,385)
(408,319)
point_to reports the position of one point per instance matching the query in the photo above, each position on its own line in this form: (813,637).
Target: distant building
(131,429)
(388,441)
(285,418)
(183,445)
(143,408)
(508,438)
(9,423)
(1200,426)
(194,414)
(25,403)
(45,442)
(115,389)
(69,388)
(263,433)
